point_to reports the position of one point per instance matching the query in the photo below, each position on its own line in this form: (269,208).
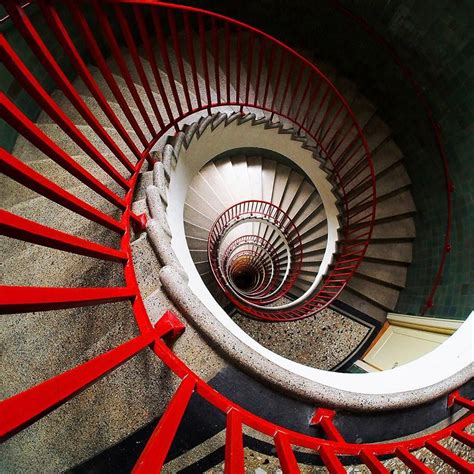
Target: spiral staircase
(187,178)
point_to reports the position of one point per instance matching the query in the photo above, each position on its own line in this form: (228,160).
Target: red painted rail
(437,134)
(268,214)
(266,262)
(20,411)
(189,81)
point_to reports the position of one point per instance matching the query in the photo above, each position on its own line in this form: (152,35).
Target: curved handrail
(25,408)
(20,411)
(271,266)
(267,212)
(358,218)
(408,74)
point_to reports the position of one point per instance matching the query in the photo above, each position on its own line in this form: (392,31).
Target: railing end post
(320,414)
(138,222)
(169,326)
(452,398)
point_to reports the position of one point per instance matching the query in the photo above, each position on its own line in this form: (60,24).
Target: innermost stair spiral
(218,189)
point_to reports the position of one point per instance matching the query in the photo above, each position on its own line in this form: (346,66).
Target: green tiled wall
(436,40)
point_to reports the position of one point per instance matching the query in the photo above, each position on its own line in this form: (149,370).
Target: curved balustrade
(269,214)
(274,79)
(265,259)
(20,411)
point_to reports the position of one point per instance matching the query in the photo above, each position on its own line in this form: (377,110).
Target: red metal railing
(436,129)
(267,213)
(265,258)
(20,411)
(262,80)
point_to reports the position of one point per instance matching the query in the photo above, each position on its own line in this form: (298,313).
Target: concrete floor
(321,341)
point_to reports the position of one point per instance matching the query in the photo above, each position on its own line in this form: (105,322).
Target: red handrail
(436,128)
(25,408)
(263,247)
(20,411)
(267,212)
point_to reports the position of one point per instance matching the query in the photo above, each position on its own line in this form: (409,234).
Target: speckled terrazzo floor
(321,341)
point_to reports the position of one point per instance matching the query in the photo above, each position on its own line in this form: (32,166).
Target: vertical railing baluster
(261,56)
(191,57)
(276,90)
(215,50)
(412,462)
(99,59)
(289,77)
(117,54)
(227,59)
(202,41)
(150,56)
(285,454)
(251,42)
(308,86)
(129,40)
(373,463)
(296,89)
(14,64)
(55,23)
(179,57)
(165,57)
(239,58)
(311,101)
(156,450)
(331,461)
(269,74)
(234,445)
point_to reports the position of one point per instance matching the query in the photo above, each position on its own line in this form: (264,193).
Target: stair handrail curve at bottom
(333,389)
(51,394)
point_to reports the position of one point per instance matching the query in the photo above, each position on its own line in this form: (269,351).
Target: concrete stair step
(241,181)
(337,120)
(63,102)
(301,199)
(83,90)
(209,190)
(254,170)
(313,212)
(281,181)
(203,267)
(164,77)
(392,179)
(295,181)
(389,274)
(268,178)
(377,293)
(48,213)
(395,229)
(12,193)
(196,218)
(199,255)
(399,203)
(400,252)
(24,150)
(355,301)
(195,231)
(151,82)
(194,202)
